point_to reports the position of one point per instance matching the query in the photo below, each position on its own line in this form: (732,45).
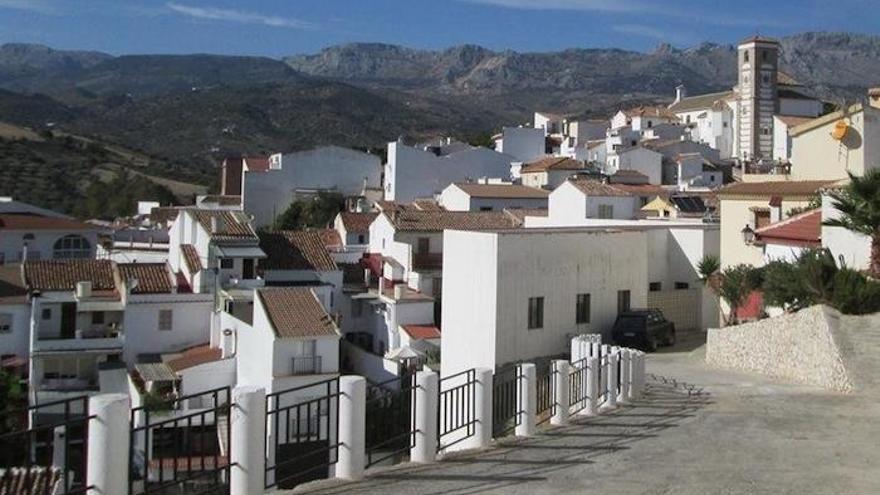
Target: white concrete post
(625,376)
(592,408)
(247,437)
(640,373)
(483,410)
(427,395)
(58,453)
(528,400)
(108,442)
(352,428)
(611,381)
(595,349)
(560,393)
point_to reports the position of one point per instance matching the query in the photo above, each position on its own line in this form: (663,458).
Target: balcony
(427,261)
(767,168)
(83,340)
(306,365)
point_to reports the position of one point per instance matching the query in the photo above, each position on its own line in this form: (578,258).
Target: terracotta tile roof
(504,191)
(223,200)
(153,278)
(804,229)
(699,102)
(759,39)
(650,111)
(59,275)
(191,257)
(643,189)
(23,221)
(296,312)
(330,238)
(421,332)
(164,214)
(256,163)
(31,480)
(519,214)
(295,250)
(774,188)
(12,287)
(358,223)
(437,221)
(552,163)
(232,225)
(194,356)
(426,205)
(597,188)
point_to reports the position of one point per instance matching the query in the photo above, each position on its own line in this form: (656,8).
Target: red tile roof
(503,191)
(650,111)
(552,163)
(804,229)
(784,188)
(330,238)
(296,312)
(231,225)
(295,250)
(596,188)
(60,275)
(437,221)
(191,257)
(152,278)
(358,223)
(256,163)
(421,332)
(22,221)
(194,356)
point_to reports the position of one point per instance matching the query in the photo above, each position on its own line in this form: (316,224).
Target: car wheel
(651,345)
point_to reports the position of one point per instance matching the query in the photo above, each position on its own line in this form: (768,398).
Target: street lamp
(748,235)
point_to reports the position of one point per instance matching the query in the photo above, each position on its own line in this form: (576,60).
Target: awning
(403,353)
(240,252)
(155,372)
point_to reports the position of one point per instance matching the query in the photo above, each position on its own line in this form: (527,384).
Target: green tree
(784,287)
(319,211)
(859,207)
(737,282)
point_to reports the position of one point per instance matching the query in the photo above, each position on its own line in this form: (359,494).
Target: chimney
(398,291)
(227,344)
(680,93)
(775,209)
(83,290)
(215,225)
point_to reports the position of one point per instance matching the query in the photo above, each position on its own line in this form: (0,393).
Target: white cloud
(39,6)
(230,15)
(595,5)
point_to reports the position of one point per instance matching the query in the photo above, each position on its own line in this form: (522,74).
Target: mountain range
(188,111)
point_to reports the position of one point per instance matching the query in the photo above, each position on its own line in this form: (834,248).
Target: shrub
(784,288)
(737,282)
(854,294)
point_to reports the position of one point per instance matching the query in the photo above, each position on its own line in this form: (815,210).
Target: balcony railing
(308,365)
(427,261)
(767,168)
(106,339)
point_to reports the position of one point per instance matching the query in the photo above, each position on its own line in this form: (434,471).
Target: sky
(276,28)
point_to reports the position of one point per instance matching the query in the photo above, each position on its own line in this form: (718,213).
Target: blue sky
(281,27)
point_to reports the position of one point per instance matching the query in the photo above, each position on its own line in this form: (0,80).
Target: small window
(765,78)
(227,263)
(682,285)
(606,211)
(536,312)
(582,308)
(47,314)
(762,218)
(745,56)
(655,286)
(650,124)
(166,319)
(623,297)
(5,323)
(72,246)
(361,238)
(764,55)
(97,318)
(424,245)
(485,208)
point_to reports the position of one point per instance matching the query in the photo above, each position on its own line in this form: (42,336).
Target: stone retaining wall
(801,347)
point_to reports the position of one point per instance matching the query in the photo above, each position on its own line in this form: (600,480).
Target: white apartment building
(643,160)
(412,173)
(549,172)
(708,117)
(470,196)
(40,237)
(291,176)
(580,199)
(642,118)
(524,144)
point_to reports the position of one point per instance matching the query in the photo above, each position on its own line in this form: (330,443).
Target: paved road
(741,435)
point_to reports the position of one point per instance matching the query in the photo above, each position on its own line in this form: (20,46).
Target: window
(745,56)
(606,211)
(97,318)
(622,301)
(765,131)
(361,238)
(762,218)
(655,286)
(682,285)
(166,319)
(226,263)
(765,78)
(650,124)
(247,268)
(5,323)
(47,314)
(424,245)
(536,312)
(582,308)
(764,55)
(72,246)
(485,208)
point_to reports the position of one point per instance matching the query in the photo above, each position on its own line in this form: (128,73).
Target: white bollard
(592,408)
(247,434)
(595,349)
(483,410)
(623,392)
(611,382)
(560,393)
(352,428)
(632,369)
(108,441)
(426,395)
(641,367)
(528,400)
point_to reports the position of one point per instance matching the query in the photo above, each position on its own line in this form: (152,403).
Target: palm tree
(859,207)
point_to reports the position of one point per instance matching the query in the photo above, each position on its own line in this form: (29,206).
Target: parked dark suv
(643,328)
